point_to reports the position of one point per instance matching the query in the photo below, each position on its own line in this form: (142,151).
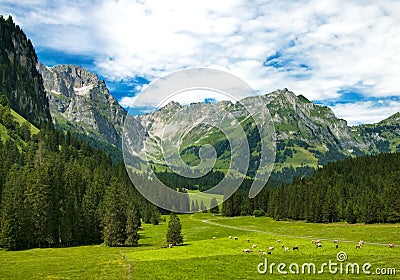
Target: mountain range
(75,99)
(306,134)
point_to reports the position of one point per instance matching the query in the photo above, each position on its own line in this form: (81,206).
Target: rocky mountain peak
(80,101)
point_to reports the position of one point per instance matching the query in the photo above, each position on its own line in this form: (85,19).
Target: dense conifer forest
(56,190)
(363,189)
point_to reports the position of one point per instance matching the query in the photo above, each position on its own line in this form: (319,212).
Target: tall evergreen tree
(114,220)
(12,234)
(202,207)
(132,226)
(214,208)
(174,234)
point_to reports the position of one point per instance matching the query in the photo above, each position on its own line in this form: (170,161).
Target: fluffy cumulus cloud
(366,111)
(320,49)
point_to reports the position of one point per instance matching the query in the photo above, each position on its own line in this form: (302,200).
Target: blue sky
(344,54)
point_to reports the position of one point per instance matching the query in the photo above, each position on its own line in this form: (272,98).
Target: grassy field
(88,262)
(203,257)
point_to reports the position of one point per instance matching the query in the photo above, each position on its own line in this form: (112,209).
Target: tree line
(363,189)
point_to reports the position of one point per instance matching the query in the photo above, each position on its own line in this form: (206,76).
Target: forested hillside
(364,189)
(55,190)
(19,79)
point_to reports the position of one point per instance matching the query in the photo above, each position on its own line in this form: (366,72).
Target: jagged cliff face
(19,78)
(81,102)
(306,133)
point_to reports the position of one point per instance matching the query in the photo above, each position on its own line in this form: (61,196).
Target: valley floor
(205,257)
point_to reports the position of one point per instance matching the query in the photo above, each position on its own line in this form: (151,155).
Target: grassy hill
(21,120)
(12,133)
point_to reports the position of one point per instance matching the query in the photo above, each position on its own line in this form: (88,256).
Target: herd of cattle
(317,243)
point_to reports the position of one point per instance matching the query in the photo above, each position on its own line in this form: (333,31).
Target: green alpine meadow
(210,250)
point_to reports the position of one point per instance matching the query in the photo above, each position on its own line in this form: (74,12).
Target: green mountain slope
(14,127)
(383,136)
(19,79)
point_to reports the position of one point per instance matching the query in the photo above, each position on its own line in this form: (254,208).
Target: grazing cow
(279,241)
(214,238)
(391,245)
(318,241)
(265,253)
(287,249)
(313,241)
(337,246)
(358,246)
(336,242)
(361,242)
(261,251)
(269,253)
(318,245)
(271,248)
(230,237)
(295,248)
(283,245)
(247,251)
(254,246)
(236,238)
(170,245)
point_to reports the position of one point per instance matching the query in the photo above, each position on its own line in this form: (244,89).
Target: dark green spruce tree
(174,232)
(114,219)
(214,208)
(12,234)
(132,226)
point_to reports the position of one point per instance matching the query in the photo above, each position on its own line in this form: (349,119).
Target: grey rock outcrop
(80,101)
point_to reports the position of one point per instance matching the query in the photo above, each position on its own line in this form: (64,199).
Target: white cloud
(342,44)
(366,112)
(127,101)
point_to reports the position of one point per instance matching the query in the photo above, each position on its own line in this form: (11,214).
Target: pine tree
(174,235)
(155,216)
(12,216)
(202,207)
(40,198)
(114,220)
(90,207)
(146,213)
(228,206)
(132,226)
(214,206)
